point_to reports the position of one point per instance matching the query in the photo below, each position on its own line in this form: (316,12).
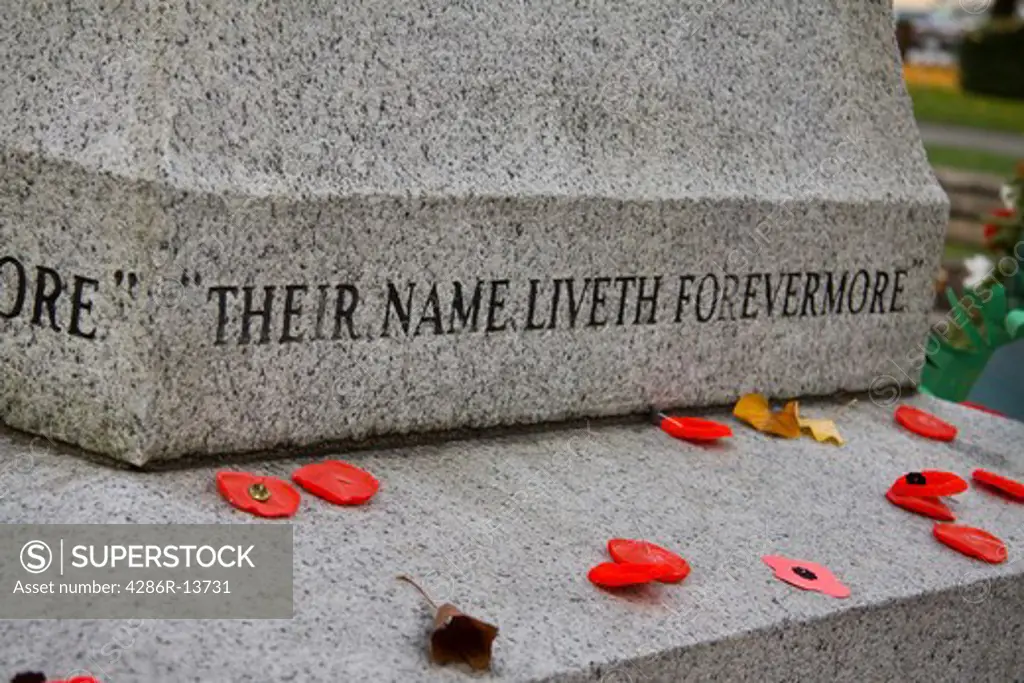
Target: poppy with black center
(916,478)
(929,483)
(806,575)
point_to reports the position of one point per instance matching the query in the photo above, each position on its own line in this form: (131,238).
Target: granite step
(507,528)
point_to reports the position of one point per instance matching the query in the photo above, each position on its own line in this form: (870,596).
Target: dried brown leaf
(458,637)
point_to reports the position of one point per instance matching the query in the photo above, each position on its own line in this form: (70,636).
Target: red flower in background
(991,229)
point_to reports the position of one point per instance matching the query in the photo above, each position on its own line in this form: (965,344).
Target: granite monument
(227,228)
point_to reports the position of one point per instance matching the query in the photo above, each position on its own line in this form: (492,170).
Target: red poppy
(1010,487)
(337,482)
(809,576)
(929,483)
(259,495)
(925,424)
(620,575)
(991,229)
(984,409)
(929,506)
(695,428)
(972,542)
(671,567)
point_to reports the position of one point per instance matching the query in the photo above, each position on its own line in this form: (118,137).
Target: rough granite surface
(160,162)
(507,529)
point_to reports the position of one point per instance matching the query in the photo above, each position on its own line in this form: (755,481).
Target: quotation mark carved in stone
(194,279)
(128,280)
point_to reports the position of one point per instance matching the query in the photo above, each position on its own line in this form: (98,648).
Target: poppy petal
(695,428)
(984,409)
(672,567)
(616,575)
(929,506)
(258,495)
(1010,487)
(806,575)
(924,424)
(929,483)
(971,541)
(337,482)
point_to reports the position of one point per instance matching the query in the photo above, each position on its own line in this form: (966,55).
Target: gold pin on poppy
(259,492)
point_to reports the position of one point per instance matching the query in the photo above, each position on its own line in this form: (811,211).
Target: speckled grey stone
(153,152)
(507,528)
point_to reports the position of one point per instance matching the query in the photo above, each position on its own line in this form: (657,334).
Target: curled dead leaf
(821,429)
(458,637)
(755,411)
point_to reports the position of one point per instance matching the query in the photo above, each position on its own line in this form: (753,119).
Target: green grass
(958,251)
(971,160)
(952,107)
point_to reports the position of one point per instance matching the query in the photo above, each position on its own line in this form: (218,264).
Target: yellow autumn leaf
(755,411)
(822,430)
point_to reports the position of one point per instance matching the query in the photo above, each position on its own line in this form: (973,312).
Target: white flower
(1009,193)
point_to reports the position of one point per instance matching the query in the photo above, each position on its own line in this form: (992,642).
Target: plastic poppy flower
(809,576)
(929,506)
(1009,487)
(924,424)
(621,575)
(929,483)
(671,567)
(258,495)
(984,409)
(694,428)
(337,482)
(991,229)
(972,542)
